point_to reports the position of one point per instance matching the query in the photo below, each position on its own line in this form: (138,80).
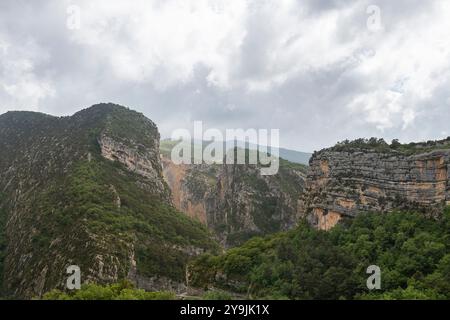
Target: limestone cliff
(235,201)
(345,180)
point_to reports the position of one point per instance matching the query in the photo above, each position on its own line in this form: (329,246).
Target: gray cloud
(310,68)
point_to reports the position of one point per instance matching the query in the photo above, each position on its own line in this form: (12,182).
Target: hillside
(88,190)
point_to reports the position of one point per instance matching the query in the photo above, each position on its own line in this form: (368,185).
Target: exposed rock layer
(235,201)
(342,184)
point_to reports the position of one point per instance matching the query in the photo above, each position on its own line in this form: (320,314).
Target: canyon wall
(139,159)
(343,183)
(235,201)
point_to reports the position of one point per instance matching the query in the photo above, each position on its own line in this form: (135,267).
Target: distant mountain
(295,156)
(287,154)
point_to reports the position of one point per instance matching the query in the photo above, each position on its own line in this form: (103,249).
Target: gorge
(98,191)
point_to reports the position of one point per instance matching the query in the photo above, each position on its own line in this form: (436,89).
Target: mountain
(287,154)
(235,201)
(295,156)
(88,190)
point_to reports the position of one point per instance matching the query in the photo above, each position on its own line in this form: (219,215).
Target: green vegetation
(167,145)
(290,182)
(124,290)
(412,251)
(77,207)
(2,244)
(200,182)
(156,230)
(380,145)
(123,124)
(288,165)
(119,291)
(217,295)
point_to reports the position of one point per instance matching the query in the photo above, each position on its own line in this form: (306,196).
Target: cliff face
(191,188)
(88,190)
(235,201)
(344,183)
(139,159)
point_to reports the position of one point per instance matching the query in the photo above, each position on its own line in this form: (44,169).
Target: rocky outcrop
(193,203)
(345,183)
(235,201)
(138,159)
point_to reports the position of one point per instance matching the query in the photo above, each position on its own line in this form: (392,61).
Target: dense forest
(413,253)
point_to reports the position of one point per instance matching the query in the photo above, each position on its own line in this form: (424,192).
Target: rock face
(344,183)
(235,201)
(192,202)
(88,190)
(138,159)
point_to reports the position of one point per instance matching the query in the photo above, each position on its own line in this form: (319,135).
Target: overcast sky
(321,71)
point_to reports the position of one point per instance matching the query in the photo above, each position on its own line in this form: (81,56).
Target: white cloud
(240,63)
(162,42)
(19,86)
(411,62)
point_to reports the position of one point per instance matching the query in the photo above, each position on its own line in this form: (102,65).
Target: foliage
(217,295)
(155,228)
(412,251)
(380,145)
(119,291)
(2,244)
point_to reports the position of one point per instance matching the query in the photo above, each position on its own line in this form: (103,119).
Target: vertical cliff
(235,201)
(352,178)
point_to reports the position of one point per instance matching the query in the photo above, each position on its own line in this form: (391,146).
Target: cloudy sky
(321,71)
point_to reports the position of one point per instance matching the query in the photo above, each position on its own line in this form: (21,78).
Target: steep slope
(235,201)
(88,190)
(361,176)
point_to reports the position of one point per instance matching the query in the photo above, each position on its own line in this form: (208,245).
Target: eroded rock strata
(235,201)
(344,183)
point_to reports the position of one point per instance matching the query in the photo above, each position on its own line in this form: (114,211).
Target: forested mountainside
(88,190)
(412,252)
